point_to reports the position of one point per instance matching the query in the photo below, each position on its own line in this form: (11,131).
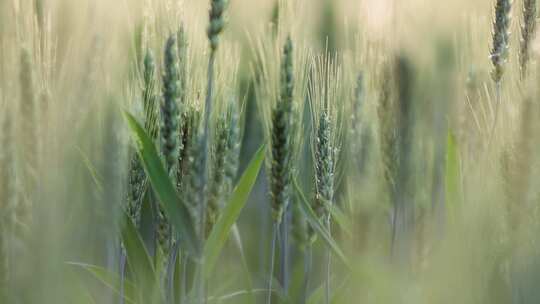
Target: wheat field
(271,151)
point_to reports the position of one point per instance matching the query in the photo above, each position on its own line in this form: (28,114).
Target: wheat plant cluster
(272,151)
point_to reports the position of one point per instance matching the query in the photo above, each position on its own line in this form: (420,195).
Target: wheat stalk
(395,124)
(215,27)
(8,204)
(29,134)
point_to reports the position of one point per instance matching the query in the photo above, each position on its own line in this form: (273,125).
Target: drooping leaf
(110,279)
(164,188)
(238,242)
(91,169)
(139,262)
(341,219)
(230,213)
(453,177)
(316,224)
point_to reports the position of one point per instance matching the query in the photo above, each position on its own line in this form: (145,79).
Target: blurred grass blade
(238,242)
(317,295)
(139,260)
(91,169)
(164,188)
(314,222)
(81,292)
(341,219)
(109,279)
(232,210)
(453,177)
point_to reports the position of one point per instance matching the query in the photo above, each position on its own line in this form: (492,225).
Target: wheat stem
(272,262)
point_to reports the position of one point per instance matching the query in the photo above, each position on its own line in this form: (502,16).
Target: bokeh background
(86,55)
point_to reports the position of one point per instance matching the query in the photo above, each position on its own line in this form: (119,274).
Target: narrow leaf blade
(164,188)
(317,226)
(109,279)
(232,210)
(138,258)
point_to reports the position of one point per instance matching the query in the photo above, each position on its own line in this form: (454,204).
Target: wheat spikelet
(150,101)
(170,114)
(395,124)
(528,29)
(170,129)
(233,145)
(225,155)
(388,135)
(192,184)
(189,131)
(501,38)
(182,99)
(324,98)
(182,46)
(218,157)
(280,173)
(217,22)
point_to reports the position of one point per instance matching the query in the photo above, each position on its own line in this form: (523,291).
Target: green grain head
(225,154)
(528,29)
(280,171)
(170,113)
(150,101)
(501,38)
(324,96)
(192,183)
(217,22)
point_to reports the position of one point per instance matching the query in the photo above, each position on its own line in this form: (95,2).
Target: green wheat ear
(136,176)
(388,136)
(225,154)
(182,46)
(190,129)
(182,100)
(170,130)
(528,30)
(233,145)
(136,181)
(274,18)
(501,38)
(150,100)
(218,156)
(280,172)
(217,22)
(170,114)
(192,182)
(324,165)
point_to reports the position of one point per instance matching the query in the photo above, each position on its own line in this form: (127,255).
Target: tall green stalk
(8,206)
(29,134)
(215,27)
